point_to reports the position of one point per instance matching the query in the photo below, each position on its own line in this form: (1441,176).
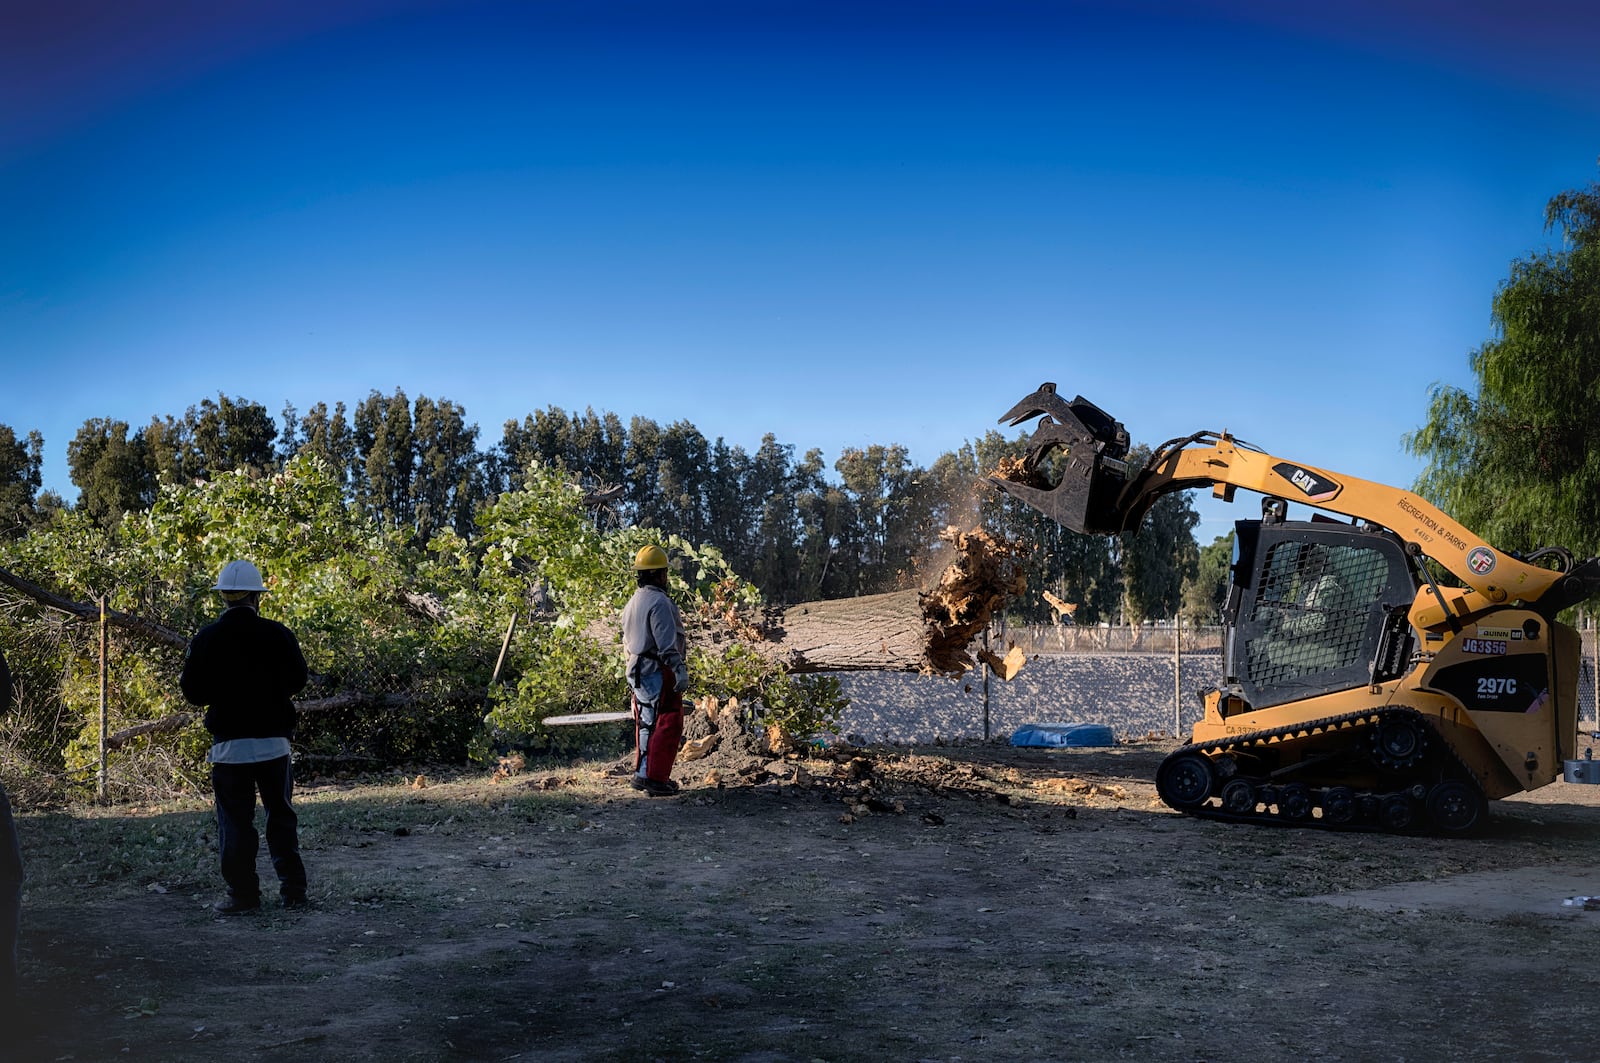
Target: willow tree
(1518,458)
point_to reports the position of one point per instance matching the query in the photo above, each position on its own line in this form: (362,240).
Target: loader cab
(1314,607)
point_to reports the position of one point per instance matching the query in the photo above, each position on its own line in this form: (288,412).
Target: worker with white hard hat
(246,670)
(652,635)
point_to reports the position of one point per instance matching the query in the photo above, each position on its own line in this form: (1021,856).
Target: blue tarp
(1063,734)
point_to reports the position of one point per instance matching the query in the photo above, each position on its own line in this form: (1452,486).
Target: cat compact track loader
(1358,693)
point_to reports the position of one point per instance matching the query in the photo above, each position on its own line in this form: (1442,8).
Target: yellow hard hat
(650,557)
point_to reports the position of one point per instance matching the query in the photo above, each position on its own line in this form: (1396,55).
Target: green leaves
(1518,460)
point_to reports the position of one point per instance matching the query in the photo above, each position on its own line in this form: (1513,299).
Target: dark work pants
(235,786)
(10,902)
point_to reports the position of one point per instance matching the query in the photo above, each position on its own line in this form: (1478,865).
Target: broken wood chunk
(1005,667)
(1062,608)
(696,748)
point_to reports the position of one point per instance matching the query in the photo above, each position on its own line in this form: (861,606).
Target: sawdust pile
(719,743)
(721,749)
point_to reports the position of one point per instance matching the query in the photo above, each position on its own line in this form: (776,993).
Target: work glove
(680,677)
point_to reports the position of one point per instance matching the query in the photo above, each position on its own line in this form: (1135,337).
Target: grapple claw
(1091,472)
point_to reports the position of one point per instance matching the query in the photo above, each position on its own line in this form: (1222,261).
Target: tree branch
(179,720)
(147,629)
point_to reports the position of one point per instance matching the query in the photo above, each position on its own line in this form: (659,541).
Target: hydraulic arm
(1358,692)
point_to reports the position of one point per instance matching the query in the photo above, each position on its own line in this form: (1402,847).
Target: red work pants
(657,731)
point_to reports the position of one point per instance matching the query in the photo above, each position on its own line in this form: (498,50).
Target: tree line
(401,546)
(794,525)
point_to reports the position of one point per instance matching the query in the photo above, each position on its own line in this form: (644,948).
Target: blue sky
(840,223)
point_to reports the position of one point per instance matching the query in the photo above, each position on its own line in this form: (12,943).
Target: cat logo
(1316,487)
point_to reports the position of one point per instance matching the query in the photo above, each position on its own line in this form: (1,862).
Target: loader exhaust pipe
(1075,469)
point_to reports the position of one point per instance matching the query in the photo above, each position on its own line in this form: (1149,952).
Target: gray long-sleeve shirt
(652,635)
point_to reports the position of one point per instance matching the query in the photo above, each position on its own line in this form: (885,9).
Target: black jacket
(244,668)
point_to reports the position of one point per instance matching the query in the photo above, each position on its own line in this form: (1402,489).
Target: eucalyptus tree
(326,435)
(642,488)
(386,456)
(20,463)
(889,526)
(211,438)
(771,485)
(111,469)
(732,509)
(683,473)
(226,435)
(826,569)
(415,467)
(588,447)
(448,482)
(1205,591)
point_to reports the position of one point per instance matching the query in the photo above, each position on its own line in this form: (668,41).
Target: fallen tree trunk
(883,632)
(925,631)
(903,631)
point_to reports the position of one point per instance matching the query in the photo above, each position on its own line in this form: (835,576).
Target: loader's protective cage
(1314,608)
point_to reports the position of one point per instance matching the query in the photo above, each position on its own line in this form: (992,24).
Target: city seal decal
(1481,560)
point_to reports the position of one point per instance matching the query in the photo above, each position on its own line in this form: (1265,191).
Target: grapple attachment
(1075,469)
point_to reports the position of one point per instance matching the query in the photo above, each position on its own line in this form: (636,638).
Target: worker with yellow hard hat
(658,675)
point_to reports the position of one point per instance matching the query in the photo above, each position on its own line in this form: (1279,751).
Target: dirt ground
(958,903)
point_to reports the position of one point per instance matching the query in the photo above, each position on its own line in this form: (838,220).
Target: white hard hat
(239,576)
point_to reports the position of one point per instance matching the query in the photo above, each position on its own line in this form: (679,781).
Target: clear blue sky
(841,223)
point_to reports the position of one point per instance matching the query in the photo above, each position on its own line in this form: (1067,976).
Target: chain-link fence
(1201,643)
(363,711)
(1072,638)
(116,725)
(1126,678)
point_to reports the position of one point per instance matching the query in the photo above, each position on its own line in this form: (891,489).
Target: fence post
(984,664)
(100,776)
(499,662)
(1177,676)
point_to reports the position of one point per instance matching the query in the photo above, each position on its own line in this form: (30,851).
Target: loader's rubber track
(1414,782)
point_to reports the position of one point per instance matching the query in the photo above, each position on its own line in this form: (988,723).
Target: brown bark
(883,632)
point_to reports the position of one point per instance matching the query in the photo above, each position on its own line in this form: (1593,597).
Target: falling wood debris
(1005,667)
(1062,608)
